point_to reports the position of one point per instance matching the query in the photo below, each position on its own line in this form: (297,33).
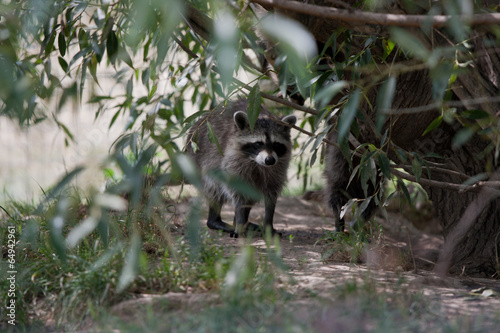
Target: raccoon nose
(270,160)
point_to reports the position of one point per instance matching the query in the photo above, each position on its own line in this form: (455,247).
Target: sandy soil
(303,222)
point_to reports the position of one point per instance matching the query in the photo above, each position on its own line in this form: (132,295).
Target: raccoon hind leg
(336,201)
(241,223)
(214,220)
(366,215)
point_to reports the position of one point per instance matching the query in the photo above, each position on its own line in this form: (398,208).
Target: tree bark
(474,246)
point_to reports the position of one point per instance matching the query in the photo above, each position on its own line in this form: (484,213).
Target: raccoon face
(268,142)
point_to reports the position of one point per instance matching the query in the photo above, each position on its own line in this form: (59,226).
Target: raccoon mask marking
(262,146)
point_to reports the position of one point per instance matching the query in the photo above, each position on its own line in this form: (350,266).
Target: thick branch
(384,19)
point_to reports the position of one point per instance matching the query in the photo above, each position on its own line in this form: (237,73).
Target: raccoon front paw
(276,233)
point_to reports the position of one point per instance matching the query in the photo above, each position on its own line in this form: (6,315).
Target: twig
(435,105)
(436,169)
(492,185)
(384,19)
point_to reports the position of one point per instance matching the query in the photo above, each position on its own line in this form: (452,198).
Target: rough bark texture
(476,253)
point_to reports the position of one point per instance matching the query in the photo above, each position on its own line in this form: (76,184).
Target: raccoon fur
(338,190)
(259,157)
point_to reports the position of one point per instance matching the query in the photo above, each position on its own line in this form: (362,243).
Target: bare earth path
(316,281)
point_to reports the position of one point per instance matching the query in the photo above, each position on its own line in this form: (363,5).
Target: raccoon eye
(258,144)
(279,148)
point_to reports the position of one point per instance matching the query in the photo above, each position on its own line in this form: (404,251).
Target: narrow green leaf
(66,130)
(320,137)
(61,41)
(213,138)
(416,167)
(98,50)
(410,42)
(388,47)
(384,101)
(384,165)
(293,37)
(93,68)
(364,176)
(364,205)
(194,116)
(326,93)
(401,155)
(112,46)
(253,107)
(63,64)
(389,198)
(237,184)
(284,77)
(348,115)
(81,231)
(434,155)
(403,188)
(83,39)
(353,174)
(49,46)
(131,266)
(475,114)
(313,158)
(384,138)
(56,226)
(189,169)
(125,57)
(432,126)
(115,116)
(98,99)
(106,257)
(462,137)
(111,201)
(346,151)
(476,178)
(59,187)
(130,87)
(153,91)
(83,78)
(226,40)
(145,76)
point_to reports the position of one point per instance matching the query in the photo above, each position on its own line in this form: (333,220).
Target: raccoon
(259,157)
(338,190)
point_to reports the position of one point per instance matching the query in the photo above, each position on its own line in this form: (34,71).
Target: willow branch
(436,169)
(384,19)
(445,185)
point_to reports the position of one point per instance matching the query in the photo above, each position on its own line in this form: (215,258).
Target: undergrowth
(60,284)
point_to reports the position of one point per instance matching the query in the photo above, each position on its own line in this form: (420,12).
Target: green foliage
(165,62)
(92,273)
(351,247)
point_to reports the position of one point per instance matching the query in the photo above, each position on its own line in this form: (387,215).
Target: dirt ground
(303,222)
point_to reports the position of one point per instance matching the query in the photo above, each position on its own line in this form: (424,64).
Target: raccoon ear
(291,119)
(241,119)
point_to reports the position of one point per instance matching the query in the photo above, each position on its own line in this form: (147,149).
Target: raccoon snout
(266,158)
(270,160)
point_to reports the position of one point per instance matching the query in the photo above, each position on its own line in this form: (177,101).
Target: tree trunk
(477,247)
